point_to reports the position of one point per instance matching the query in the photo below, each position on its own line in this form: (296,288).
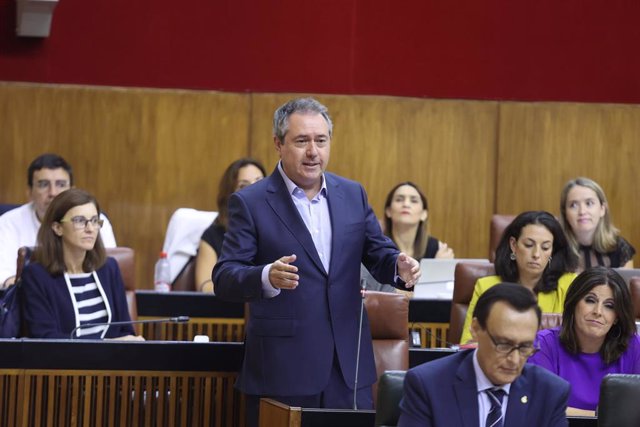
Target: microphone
(363,286)
(178,319)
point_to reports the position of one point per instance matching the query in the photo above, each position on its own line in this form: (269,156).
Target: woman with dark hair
(533,252)
(597,337)
(239,174)
(70,282)
(406,213)
(586,221)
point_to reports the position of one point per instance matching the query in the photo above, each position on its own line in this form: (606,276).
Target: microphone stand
(355,384)
(178,319)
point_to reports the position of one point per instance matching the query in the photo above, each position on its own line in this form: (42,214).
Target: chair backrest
(6,207)
(388,398)
(618,405)
(126,257)
(498,224)
(634,286)
(388,315)
(183,236)
(466,275)
(186,279)
(24,254)
(628,273)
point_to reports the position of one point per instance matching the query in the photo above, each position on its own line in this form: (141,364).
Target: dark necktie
(494,417)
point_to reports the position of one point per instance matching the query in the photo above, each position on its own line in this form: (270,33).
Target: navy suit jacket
(48,310)
(291,338)
(444,393)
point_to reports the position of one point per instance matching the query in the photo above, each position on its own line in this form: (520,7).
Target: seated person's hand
(444,251)
(10,281)
(206,286)
(576,412)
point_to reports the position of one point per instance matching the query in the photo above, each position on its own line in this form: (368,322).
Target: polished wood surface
(543,145)
(274,413)
(145,153)
(277,414)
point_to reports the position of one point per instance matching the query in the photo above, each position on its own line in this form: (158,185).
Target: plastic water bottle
(162,277)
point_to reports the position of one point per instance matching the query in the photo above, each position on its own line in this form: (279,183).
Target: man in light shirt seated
(48,175)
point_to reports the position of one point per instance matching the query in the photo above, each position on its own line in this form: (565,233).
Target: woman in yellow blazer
(533,252)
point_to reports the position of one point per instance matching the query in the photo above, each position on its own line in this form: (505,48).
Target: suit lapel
(466,392)
(279,199)
(518,404)
(336,200)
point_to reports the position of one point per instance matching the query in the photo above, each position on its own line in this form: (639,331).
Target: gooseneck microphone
(363,285)
(178,319)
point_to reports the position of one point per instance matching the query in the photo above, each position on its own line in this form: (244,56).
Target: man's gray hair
(298,105)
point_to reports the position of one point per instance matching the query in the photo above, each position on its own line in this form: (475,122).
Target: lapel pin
(524,399)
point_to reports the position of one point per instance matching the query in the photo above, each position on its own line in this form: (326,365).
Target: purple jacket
(583,371)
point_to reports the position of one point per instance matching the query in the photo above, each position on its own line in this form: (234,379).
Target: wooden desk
(224,321)
(430,319)
(94,383)
(112,383)
(219,320)
(277,414)
(418,356)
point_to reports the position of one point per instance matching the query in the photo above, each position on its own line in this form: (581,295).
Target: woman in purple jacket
(70,285)
(597,337)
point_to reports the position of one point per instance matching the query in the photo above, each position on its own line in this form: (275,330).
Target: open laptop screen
(436,281)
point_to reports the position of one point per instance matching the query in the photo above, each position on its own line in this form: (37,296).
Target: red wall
(568,50)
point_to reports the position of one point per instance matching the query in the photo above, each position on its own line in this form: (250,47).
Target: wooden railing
(224,322)
(216,328)
(127,398)
(195,389)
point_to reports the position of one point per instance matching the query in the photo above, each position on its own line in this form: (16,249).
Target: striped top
(89,304)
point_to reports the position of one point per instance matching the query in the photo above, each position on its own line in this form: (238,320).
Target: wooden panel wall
(446,147)
(144,153)
(543,145)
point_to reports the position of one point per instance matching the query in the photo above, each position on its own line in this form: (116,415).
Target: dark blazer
(444,393)
(290,339)
(48,311)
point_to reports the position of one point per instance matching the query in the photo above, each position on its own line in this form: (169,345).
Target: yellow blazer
(549,302)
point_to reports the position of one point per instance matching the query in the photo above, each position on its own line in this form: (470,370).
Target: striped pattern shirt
(90,304)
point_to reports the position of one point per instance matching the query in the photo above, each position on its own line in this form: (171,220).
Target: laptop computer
(437,277)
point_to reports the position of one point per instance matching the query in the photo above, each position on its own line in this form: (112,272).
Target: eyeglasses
(43,184)
(80,222)
(525,350)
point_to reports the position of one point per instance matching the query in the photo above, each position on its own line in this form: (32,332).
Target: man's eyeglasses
(43,184)
(80,222)
(525,350)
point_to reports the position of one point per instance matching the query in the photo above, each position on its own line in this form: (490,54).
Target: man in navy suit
(293,249)
(491,385)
